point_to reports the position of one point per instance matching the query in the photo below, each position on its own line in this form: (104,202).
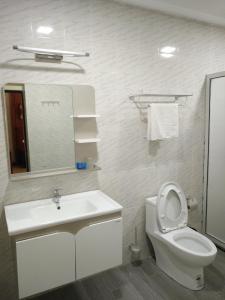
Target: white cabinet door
(98,247)
(45,262)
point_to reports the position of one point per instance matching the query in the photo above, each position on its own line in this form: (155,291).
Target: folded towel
(163,121)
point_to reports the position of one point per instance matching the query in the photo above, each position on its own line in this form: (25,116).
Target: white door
(98,247)
(45,262)
(215,219)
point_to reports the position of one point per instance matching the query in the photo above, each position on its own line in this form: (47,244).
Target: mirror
(40,127)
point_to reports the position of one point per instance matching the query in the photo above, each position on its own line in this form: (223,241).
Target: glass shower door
(215,189)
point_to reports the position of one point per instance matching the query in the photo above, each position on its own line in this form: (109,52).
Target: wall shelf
(87,141)
(85,116)
(95,168)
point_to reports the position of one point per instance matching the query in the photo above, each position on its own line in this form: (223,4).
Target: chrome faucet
(56,197)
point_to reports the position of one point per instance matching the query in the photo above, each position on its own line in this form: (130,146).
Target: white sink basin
(30,216)
(68,209)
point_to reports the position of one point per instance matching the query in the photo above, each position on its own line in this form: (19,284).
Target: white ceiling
(210,11)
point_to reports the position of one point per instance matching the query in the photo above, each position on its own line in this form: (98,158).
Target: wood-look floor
(146,281)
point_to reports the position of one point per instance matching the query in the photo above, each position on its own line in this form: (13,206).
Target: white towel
(163,121)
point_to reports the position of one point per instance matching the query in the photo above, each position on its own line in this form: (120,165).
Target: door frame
(206,156)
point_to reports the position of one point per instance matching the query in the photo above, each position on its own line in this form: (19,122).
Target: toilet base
(188,276)
(191,279)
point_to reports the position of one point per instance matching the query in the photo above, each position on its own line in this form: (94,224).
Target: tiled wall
(123,42)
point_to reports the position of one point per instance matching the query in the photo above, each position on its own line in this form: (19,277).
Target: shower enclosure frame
(206,156)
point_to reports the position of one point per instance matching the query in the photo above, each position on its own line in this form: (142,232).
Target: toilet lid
(171,207)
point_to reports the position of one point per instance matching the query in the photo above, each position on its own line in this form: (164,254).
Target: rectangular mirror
(39,127)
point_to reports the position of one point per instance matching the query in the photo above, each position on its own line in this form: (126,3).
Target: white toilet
(180,251)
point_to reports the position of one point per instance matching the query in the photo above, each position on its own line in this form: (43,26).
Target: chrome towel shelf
(139,103)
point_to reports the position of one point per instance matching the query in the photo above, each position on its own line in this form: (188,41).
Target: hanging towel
(163,121)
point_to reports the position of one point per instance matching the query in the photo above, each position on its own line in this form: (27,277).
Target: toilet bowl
(180,251)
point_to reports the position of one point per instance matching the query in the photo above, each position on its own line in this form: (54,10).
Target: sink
(68,209)
(34,215)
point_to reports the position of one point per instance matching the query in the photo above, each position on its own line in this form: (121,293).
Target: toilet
(180,251)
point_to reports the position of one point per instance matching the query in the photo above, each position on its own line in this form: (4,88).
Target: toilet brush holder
(135,250)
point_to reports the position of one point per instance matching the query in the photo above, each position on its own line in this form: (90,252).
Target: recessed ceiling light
(168,49)
(166,55)
(44,29)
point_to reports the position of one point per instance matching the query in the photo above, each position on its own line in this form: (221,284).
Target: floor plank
(145,281)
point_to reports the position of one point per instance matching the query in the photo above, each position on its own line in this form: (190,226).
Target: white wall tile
(123,42)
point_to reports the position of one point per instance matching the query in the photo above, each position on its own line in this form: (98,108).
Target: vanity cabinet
(45,262)
(52,260)
(98,247)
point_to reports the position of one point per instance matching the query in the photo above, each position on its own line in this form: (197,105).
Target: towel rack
(139,103)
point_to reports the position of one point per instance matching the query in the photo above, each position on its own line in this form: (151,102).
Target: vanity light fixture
(50,55)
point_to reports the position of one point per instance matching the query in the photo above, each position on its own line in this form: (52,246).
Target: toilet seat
(172,210)
(188,243)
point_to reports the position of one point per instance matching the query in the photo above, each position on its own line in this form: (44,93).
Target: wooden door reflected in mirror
(17,131)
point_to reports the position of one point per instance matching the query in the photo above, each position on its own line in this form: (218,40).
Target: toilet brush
(135,249)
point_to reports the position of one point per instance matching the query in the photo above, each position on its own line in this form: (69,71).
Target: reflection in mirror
(39,127)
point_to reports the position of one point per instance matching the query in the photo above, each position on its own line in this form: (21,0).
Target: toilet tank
(151,219)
